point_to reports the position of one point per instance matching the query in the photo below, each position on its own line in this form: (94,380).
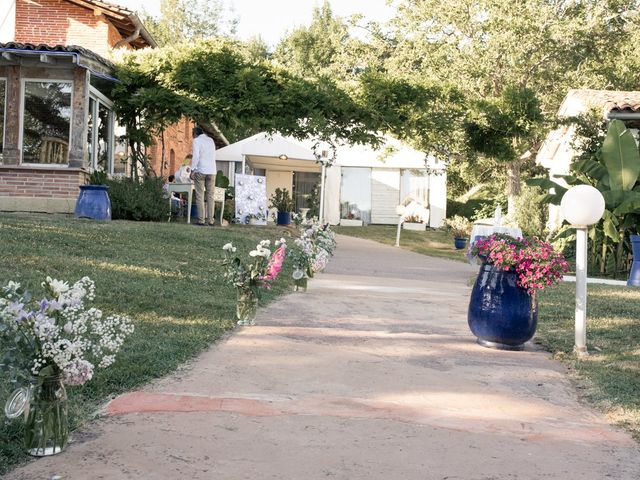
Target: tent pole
(243,164)
(321,213)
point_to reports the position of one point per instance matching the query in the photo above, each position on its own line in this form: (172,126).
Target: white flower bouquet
(49,343)
(59,335)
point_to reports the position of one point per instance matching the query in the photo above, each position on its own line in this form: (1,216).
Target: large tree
(324,48)
(491,47)
(186,20)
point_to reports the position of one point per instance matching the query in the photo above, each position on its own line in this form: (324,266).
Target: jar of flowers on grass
(48,344)
(250,275)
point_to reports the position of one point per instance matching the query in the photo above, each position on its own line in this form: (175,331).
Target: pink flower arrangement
(275,264)
(536,263)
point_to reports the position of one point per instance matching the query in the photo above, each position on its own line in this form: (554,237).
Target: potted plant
(460,228)
(281,201)
(350,216)
(93,201)
(414,222)
(503,310)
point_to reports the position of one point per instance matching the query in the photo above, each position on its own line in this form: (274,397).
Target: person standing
(203,173)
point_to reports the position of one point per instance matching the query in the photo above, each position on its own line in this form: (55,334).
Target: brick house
(57,122)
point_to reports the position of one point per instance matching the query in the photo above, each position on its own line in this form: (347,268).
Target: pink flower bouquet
(536,263)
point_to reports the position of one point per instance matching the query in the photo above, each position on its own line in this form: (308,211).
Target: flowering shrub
(314,248)
(458,226)
(262,269)
(58,336)
(536,263)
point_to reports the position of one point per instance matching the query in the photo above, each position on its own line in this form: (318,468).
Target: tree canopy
(183,20)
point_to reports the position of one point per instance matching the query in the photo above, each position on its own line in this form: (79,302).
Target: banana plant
(614,171)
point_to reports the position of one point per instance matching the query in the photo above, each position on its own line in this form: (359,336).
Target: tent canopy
(271,151)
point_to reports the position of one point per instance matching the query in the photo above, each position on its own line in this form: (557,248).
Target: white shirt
(204,155)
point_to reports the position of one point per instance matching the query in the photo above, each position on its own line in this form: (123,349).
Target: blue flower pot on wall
(634,274)
(501,314)
(93,202)
(460,243)
(284,218)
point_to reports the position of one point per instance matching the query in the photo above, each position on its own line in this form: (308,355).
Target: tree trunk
(513,186)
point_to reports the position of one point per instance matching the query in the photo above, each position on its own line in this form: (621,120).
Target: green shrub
(531,212)
(469,209)
(138,200)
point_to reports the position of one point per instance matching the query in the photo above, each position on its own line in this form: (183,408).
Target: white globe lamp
(582,206)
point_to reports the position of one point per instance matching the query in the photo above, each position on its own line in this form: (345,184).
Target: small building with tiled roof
(57,121)
(557,153)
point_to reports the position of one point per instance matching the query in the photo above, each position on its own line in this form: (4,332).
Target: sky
(271,19)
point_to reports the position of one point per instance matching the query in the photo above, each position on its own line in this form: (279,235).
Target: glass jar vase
(246,306)
(300,284)
(46,428)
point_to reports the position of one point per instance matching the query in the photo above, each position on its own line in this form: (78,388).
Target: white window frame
(99,98)
(23,83)
(4,115)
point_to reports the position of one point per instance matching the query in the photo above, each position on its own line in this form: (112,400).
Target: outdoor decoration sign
(251,199)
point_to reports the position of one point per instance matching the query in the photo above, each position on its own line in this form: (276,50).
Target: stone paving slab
(371,374)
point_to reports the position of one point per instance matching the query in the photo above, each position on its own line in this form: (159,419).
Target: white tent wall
(437,199)
(332,195)
(385,195)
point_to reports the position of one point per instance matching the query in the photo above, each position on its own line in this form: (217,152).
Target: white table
(181,188)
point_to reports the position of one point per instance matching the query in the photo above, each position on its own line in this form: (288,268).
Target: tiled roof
(31,47)
(579,101)
(557,147)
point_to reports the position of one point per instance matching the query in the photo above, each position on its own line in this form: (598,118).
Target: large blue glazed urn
(284,218)
(93,202)
(501,314)
(634,274)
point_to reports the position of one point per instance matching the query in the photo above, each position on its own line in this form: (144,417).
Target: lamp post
(324,158)
(582,206)
(400,209)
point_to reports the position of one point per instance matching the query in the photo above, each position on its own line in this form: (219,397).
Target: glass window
(103,147)
(121,164)
(46,122)
(90,123)
(303,185)
(355,194)
(3,93)
(415,185)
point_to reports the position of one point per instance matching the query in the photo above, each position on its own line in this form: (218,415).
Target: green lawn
(610,376)
(436,243)
(167,277)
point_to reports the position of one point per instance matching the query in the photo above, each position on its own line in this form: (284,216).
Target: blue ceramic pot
(634,274)
(460,243)
(93,202)
(501,314)
(284,218)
